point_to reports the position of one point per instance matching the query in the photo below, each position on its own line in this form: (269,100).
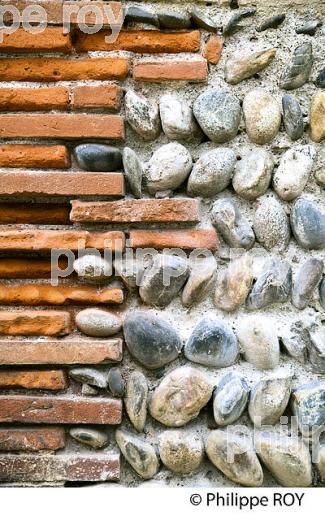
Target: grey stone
(173,20)
(181,452)
(292,117)
(297,74)
(308,404)
(272,286)
(168,167)
(229,399)
(134,13)
(308,224)
(271,23)
(293,172)
(177,118)
(163,279)
(306,281)
(242,65)
(253,174)
(233,25)
(199,281)
(212,173)
(322,292)
(88,390)
(133,171)
(203,21)
(233,284)
(98,157)
(93,268)
(316,350)
(262,116)
(136,400)
(212,344)
(142,115)
(98,323)
(309,27)
(139,454)
(295,339)
(233,227)
(269,399)
(180,396)
(320,80)
(115,382)
(259,341)
(271,225)
(218,114)
(90,376)
(151,340)
(90,437)
(131,272)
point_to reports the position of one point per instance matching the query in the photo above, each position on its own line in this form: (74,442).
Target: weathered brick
(61,184)
(28,267)
(159,71)
(34,214)
(140,41)
(32,379)
(100,96)
(61,352)
(26,239)
(46,294)
(185,239)
(31,439)
(28,99)
(52,468)
(60,410)
(213,48)
(34,156)
(59,69)
(68,126)
(35,323)
(51,39)
(145,210)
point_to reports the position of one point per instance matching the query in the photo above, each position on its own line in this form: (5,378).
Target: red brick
(28,99)
(34,156)
(31,439)
(46,294)
(145,210)
(213,48)
(108,97)
(28,267)
(159,71)
(59,69)
(60,409)
(61,184)
(52,468)
(61,352)
(51,39)
(35,323)
(33,379)
(67,126)
(34,213)
(185,239)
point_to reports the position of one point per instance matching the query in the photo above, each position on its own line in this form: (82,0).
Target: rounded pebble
(181,452)
(212,173)
(136,400)
(229,399)
(253,174)
(142,115)
(168,167)
(93,268)
(271,225)
(140,454)
(262,116)
(98,157)
(308,224)
(177,118)
(133,171)
(98,323)
(259,341)
(233,227)
(293,172)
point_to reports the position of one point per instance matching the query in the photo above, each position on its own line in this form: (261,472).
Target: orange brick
(34,156)
(31,439)
(101,96)
(51,39)
(28,99)
(67,126)
(33,379)
(185,239)
(158,71)
(34,214)
(35,323)
(28,267)
(213,48)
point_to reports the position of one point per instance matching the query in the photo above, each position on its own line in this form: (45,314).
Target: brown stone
(100,96)
(34,214)
(159,71)
(51,39)
(31,439)
(317,117)
(35,323)
(185,239)
(213,48)
(34,156)
(40,379)
(233,284)
(28,99)
(28,267)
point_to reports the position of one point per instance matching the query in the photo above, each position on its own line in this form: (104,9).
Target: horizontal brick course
(28,267)
(34,156)
(28,99)
(159,71)
(51,39)
(108,97)
(185,239)
(31,439)
(35,323)
(34,213)
(33,379)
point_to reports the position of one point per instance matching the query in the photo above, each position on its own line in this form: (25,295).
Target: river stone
(172,20)
(317,117)
(306,281)
(180,396)
(93,268)
(131,272)
(316,351)
(309,27)
(134,13)
(139,454)
(292,117)
(90,437)
(133,171)
(269,399)
(151,340)
(259,341)
(203,21)
(271,23)
(168,167)
(142,115)
(199,281)
(308,224)
(115,382)
(163,279)
(212,173)
(229,399)
(212,344)
(88,390)
(253,174)
(320,80)
(287,459)
(272,286)
(320,464)
(98,323)
(90,376)
(262,116)
(308,404)
(271,225)
(295,339)
(233,454)
(322,292)
(136,400)
(293,172)
(218,114)
(299,70)
(242,65)
(181,452)
(98,157)
(233,284)
(233,227)
(233,25)
(177,118)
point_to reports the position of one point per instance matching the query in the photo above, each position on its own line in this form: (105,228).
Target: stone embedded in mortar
(199,280)
(115,382)
(292,117)
(292,175)
(98,157)
(295,339)
(272,286)
(233,284)
(180,451)
(98,323)
(271,23)
(322,292)
(90,376)
(269,399)
(233,227)
(262,116)
(242,65)
(151,340)
(213,48)
(253,174)
(180,396)
(142,115)
(130,272)
(233,25)
(298,72)
(309,27)
(259,341)
(177,118)
(136,400)
(93,268)
(168,167)
(320,463)
(308,404)
(89,436)
(134,13)
(308,224)
(203,21)
(320,80)
(229,399)
(133,171)
(212,173)
(306,281)
(271,225)
(218,114)
(212,344)
(316,350)
(173,20)
(317,117)
(88,390)
(141,455)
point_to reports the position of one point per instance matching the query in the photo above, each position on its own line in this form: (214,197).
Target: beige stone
(180,451)
(233,284)
(317,117)
(262,116)
(259,341)
(243,65)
